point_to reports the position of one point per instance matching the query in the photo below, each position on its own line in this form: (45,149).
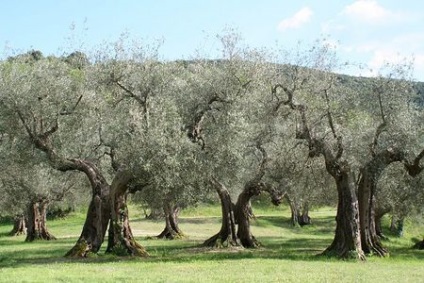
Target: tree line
(284,123)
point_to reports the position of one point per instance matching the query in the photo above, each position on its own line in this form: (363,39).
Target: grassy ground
(288,254)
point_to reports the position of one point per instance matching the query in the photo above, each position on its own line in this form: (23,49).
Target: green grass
(288,254)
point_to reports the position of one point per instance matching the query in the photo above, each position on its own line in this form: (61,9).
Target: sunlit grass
(287,254)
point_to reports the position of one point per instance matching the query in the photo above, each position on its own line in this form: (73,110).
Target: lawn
(288,254)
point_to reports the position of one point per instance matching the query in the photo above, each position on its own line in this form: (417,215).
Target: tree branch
(414,168)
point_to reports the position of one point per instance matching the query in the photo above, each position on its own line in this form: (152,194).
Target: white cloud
(302,17)
(369,11)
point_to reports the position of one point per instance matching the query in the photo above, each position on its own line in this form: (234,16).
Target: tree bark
(243,213)
(19,225)
(294,220)
(379,214)
(98,214)
(171,230)
(37,228)
(296,217)
(347,239)
(304,218)
(121,241)
(370,174)
(227,236)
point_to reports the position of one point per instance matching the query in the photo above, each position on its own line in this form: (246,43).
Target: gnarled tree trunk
(227,236)
(297,218)
(370,174)
(171,230)
(98,214)
(347,239)
(19,225)
(243,213)
(121,240)
(304,218)
(37,228)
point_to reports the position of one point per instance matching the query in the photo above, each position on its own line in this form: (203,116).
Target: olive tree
(344,124)
(49,103)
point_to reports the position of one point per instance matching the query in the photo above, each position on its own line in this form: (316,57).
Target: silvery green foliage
(141,110)
(399,194)
(23,183)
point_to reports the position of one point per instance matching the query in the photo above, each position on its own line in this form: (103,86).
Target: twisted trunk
(304,218)
(227,236)
(19,225)
(171,230)
(121,240)
(370,174)
(296,217)
(37,228)
(98,214)
(347,239)
(243,213)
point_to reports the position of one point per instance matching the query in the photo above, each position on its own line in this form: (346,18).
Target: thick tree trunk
(19,225)
(294,220)
(121,241)
(243,213)
(37,228)
(171,230)
(304,218)
(347,239)
(98,215)
(298,218)
(227,236)
(371,243)
(370,174)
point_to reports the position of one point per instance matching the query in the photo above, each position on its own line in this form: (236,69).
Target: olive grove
(177,133)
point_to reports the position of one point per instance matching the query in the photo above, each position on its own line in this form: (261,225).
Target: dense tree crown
(176,133)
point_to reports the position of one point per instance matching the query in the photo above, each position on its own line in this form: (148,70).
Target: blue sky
(364,31)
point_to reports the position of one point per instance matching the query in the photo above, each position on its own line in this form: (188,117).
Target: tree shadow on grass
(301,249)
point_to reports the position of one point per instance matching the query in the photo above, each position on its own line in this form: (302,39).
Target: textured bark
(347,239)
(19,225)
(294,213)
(98,215)
(243,213)
(370,174)
(227,236)
(171,230)
(37,227)
(121,241)
(304,218)
(297,218)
